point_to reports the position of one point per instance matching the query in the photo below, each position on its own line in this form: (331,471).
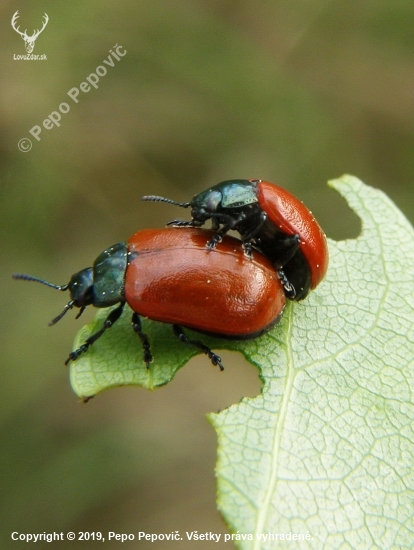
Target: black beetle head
(80,287)
(206,204)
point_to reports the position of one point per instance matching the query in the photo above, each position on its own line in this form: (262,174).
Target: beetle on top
(269,218)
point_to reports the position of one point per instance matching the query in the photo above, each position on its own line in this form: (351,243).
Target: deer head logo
(29,41)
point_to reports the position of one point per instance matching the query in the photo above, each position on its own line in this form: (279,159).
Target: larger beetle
(166,275)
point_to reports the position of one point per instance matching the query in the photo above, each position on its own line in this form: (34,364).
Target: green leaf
(117,358)
(327,449)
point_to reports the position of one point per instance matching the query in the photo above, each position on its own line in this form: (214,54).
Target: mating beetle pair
(205,280)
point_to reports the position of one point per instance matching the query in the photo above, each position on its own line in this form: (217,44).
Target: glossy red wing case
(174,278)
(292,217)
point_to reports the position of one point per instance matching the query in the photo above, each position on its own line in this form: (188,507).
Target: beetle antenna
(67,307)
(57,287)
(37,280)
(155,198)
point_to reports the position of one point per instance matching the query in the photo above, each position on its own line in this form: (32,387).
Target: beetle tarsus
(214,358)
(87,398)
(73,355)
(287,286)
(248,250)
(137,326)
(214,241)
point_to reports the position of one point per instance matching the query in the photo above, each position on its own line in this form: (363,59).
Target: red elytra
(292,217)
(174,279)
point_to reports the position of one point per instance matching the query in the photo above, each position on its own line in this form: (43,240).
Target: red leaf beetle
(168,276)
(270,218)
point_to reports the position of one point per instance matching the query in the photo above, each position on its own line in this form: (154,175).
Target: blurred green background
(295,92)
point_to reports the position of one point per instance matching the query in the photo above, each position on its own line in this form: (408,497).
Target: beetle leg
(113,316)
(217,238)
(228,223)
(137,326)
(215,359)
(215,224)
(287,286)
(248,250)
